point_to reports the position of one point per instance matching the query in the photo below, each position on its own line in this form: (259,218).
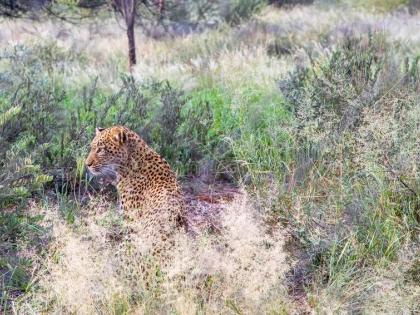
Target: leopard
(147,186)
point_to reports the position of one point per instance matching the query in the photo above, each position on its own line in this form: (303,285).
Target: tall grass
(108,275)
(357,106)
(313,111)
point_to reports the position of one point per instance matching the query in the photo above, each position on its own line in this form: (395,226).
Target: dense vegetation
(319,123)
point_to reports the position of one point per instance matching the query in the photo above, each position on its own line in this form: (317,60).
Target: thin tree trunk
(130,14)
(131,47)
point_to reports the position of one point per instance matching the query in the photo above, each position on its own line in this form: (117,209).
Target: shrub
(281,3)
(244,134)
(20,177)
(330,97)
(413,6)
(19,234)
(240,10)
(357,105)
(263,144)
(382,5)
(281,46)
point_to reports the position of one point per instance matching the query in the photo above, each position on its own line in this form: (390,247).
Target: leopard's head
(108,151)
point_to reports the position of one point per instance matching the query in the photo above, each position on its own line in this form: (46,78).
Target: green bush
(246,134)
(381,5)
(357,106)
(20,177)
(263,145)
(240,10)
(281,3)
(331,93)
(19,233)
(54,123)
(241,134)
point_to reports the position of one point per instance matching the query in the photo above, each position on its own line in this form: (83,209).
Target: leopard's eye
(98,150)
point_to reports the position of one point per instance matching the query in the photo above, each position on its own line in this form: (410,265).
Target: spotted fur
(148,190)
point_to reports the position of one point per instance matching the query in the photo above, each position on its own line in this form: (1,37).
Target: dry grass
(218,54)
(390,290)
(88,271)
(96,266)
(223,56)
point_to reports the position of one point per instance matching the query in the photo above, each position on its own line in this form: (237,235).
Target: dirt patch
(204,201)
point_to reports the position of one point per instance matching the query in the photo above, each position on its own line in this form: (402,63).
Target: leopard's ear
(119,135)
(98,130)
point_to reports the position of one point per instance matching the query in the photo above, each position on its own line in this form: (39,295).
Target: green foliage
(357,106)
(263,144)
(27,106)
(245,133)
(20,176)
(335,154)
(332,93)
(207,119)
(18,232)
(375,241)
(286,3)
(8,115)
(240,10)
(381,5)
(56,123)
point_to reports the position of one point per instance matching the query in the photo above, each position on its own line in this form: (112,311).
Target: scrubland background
(310,114)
